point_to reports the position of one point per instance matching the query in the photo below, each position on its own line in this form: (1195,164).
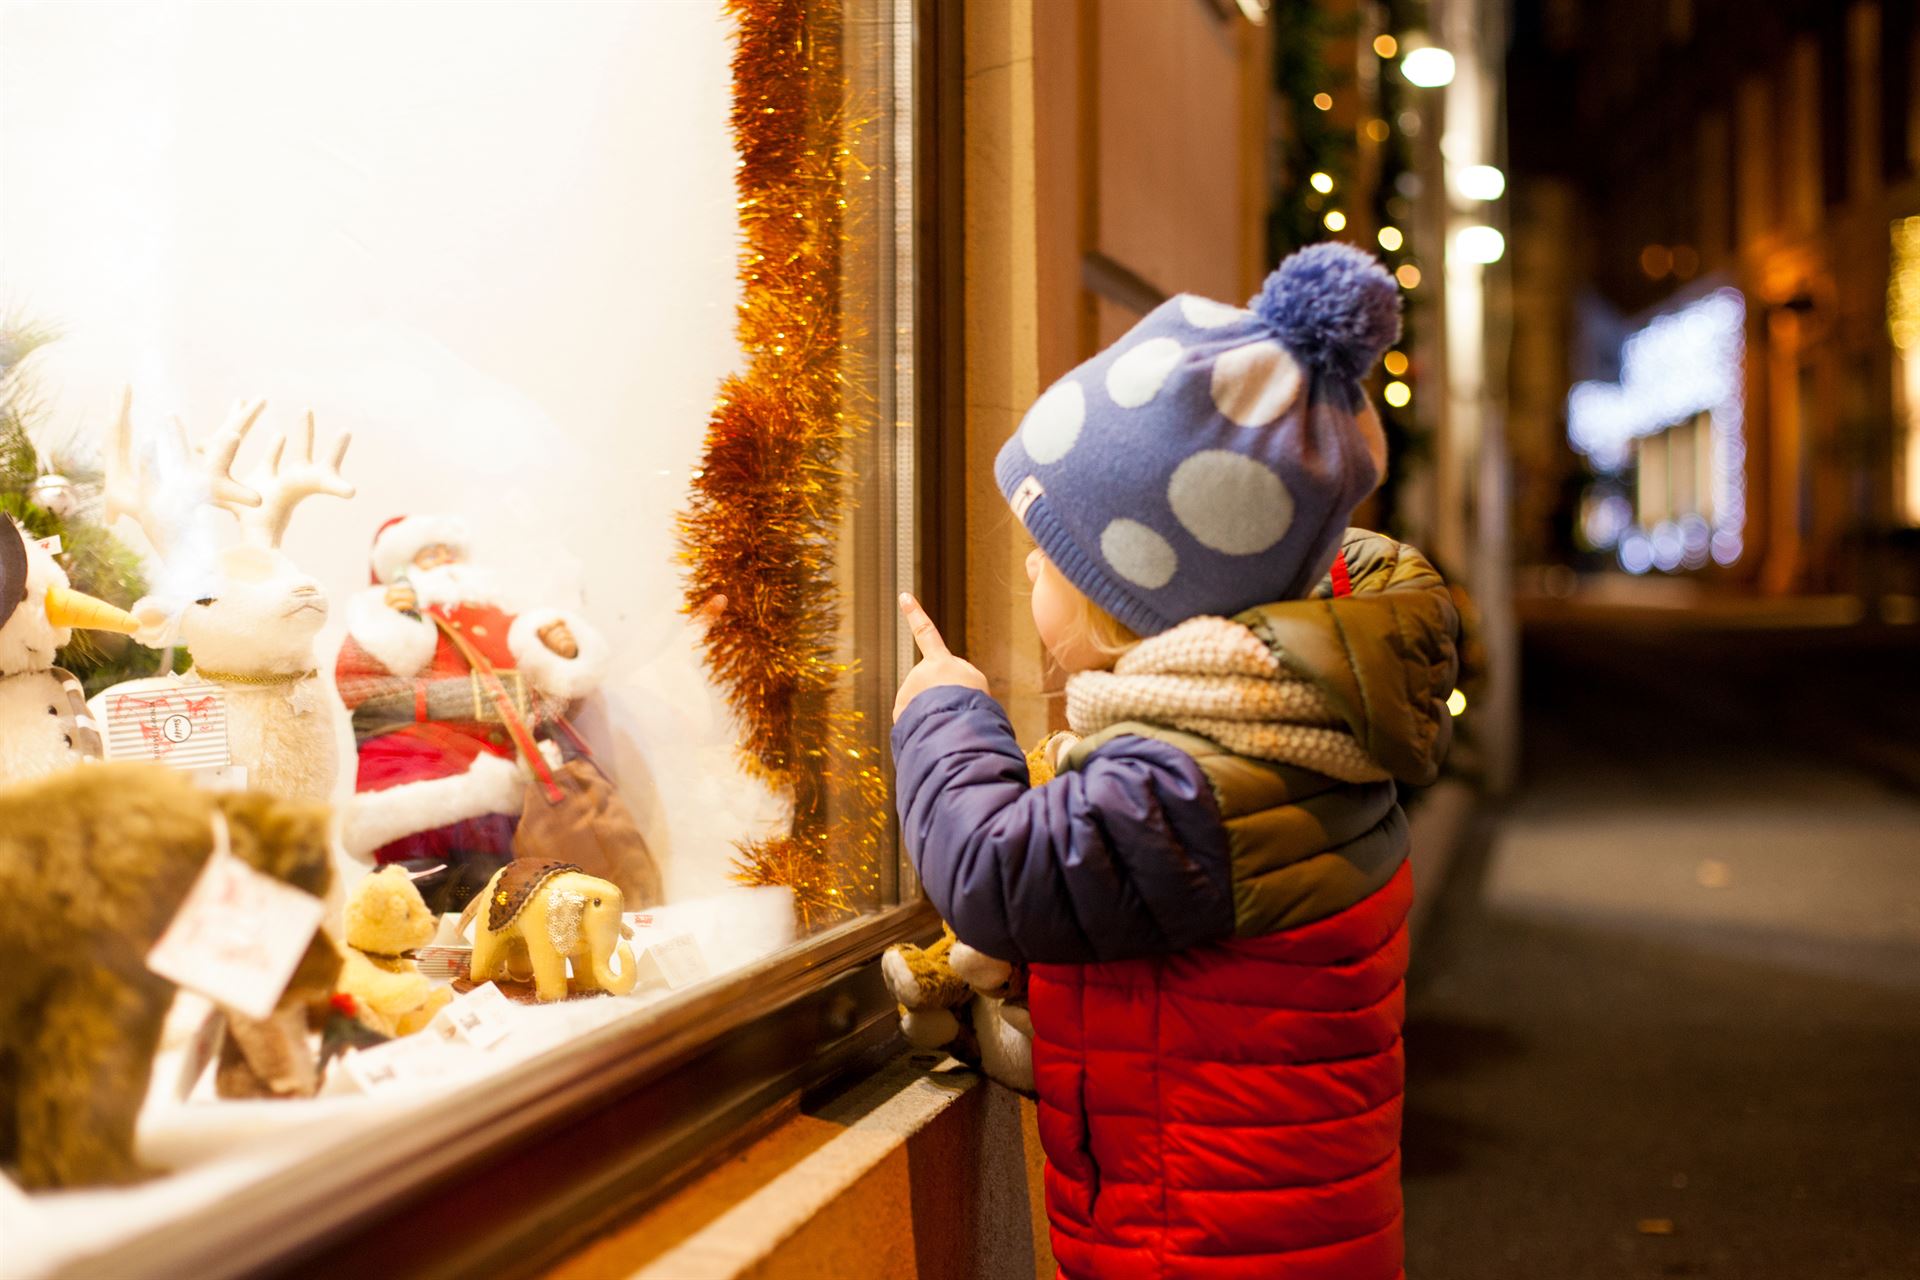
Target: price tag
(409,1062)
(482,1017)
(166,720)
(238,935)
(676,961)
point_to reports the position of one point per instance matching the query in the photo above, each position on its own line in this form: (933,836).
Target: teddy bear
(386,918)
(272,1057)
(94,862)
(954,997)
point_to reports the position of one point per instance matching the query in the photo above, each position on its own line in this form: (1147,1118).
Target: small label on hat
(1024,496)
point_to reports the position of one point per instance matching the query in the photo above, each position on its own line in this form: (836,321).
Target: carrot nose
(69,608)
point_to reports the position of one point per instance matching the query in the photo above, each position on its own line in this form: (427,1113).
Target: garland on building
(771,491)
(1310,89)
(54,496)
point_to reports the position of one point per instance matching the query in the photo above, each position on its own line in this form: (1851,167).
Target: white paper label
(238,935)
(408,1062)
(482,1017)
(679,959)
(165,720)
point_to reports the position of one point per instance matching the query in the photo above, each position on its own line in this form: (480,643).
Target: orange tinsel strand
(771,490)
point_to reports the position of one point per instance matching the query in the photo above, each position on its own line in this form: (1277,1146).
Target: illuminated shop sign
(1667,441)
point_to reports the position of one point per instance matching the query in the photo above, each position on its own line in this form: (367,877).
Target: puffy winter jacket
(1218,945)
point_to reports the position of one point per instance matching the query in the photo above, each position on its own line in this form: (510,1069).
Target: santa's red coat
(401,661)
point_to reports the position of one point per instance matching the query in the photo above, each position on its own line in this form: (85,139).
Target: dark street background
(1665,1020)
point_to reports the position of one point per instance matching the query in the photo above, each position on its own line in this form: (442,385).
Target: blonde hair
(1099,630)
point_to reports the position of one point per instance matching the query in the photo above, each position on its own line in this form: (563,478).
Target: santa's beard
(453,584)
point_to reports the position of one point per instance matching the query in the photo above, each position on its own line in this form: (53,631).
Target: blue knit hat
(1209,460)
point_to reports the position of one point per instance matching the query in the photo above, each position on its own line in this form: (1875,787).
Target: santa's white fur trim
(547,671)
(374,818)
(394,548)
(402,643)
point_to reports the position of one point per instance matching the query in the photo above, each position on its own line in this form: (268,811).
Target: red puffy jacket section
(1232,1111)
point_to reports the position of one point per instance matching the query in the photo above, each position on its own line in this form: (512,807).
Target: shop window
(616,303)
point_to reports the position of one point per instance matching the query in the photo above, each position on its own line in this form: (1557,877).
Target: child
(1212,893)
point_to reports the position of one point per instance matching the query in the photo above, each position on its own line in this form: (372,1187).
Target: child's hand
(937,666)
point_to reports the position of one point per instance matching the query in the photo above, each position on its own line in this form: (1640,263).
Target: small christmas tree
(60,497)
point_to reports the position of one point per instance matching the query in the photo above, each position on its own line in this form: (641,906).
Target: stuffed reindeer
(251,621)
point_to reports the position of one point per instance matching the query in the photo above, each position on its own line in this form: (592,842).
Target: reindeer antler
(161,504)
(288,482)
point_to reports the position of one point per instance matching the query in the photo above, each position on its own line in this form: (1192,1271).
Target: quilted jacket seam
(1290,1124)
(1398,1215)
(1317,1185)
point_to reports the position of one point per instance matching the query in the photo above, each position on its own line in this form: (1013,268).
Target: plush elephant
(539,915)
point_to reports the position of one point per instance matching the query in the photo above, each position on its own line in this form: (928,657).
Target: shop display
(542,918)
(246,612)
(43,720)
(437,781)
(536,737)
(386,919)
(94,863)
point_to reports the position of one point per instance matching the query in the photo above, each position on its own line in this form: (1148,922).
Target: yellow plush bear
(386,918)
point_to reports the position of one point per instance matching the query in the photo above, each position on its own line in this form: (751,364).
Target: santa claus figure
(439,781)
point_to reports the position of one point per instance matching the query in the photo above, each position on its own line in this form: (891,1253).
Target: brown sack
(589,825)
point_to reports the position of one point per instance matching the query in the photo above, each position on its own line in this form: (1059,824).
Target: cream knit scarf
(1216,678)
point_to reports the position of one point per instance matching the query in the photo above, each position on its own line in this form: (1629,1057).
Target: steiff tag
(165,720)
(481,1017)
(409,1062)
(677,961)
(238,935)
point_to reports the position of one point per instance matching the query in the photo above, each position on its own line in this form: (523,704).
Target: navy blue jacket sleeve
(1123,857)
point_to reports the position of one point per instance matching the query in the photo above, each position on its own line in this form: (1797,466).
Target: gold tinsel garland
(771,491)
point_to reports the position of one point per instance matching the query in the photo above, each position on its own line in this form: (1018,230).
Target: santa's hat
(400,539)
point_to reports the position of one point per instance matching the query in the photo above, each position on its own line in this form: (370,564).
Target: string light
(1480,182)
(1408,275)
(1481,245)
(1385,45)
(1324,101)
(1378,131)
(1336,220)
(1398,394)
(1390,238)
(1429,68)
(1456,703)
(1395,362)
(1321,182)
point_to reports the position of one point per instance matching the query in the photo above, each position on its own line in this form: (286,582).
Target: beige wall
(1115,152)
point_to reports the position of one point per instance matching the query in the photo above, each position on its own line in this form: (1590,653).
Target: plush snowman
(43,714)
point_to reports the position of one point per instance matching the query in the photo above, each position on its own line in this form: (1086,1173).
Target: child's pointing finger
(925,634)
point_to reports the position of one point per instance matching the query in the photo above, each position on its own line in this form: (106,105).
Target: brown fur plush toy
(93,863)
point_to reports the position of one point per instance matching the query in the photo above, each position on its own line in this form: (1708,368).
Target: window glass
(604,577)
